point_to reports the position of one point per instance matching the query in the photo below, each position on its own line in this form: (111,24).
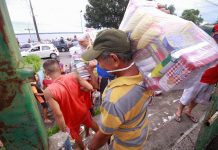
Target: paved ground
(166,133)
(65,58)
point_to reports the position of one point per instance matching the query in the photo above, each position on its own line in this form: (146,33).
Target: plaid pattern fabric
(188,64)
(178,73)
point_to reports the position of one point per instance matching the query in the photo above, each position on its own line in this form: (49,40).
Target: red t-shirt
(66,91)
(46,82)
(210,76)
(86,96)
(215,28)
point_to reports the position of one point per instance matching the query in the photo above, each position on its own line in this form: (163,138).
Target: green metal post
(208,135)
(21,126)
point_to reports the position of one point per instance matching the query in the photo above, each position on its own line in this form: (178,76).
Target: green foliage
(97,112)
(52,130)
(172,9)
(192,15)
(105,13)
(34,61)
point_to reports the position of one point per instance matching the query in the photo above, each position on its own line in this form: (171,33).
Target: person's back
(125,101)
(66,91)
(64,97)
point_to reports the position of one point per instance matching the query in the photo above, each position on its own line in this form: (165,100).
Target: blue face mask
(110,76)
(103,73)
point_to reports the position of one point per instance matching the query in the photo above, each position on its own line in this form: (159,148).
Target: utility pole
(34,21)
(81,20)
(28,29)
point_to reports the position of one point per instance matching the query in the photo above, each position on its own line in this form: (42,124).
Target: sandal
(178,118)
(192,118)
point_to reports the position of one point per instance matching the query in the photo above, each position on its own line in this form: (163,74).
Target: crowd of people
(106,65)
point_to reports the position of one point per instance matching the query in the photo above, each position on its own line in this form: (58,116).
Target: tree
(33,61)
(192,15)
(172,9)
(105,13)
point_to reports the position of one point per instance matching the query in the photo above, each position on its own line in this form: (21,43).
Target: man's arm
(93,79)
(39,94)
(56,111)
(99,140)
(85,84)
(109,123)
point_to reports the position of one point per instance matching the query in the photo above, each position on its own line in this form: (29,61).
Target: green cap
(110,40)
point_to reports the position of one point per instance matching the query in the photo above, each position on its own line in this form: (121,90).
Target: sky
(66,15)
(208,8)
(51,15)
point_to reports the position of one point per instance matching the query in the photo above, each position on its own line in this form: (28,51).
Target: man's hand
(92,65)
(86,90)
(99,140)
(162,8)
(85,85)
(93,79)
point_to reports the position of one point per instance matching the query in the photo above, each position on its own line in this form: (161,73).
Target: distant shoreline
(50,33)
(24,37)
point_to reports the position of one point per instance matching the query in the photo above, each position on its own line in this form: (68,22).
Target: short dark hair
(51,66)
(125,57)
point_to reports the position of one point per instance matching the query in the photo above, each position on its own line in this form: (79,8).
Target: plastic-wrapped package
(144,61)
(140,25)
(131,9)
(146,65)
(134,19)
(169,50)
(190,61)
(151,83)
(181,76)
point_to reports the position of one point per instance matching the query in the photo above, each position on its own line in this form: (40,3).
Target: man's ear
(116,60)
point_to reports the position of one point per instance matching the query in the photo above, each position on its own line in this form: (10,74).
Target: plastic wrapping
(169,51)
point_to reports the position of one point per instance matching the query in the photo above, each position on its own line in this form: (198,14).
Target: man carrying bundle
(125,99)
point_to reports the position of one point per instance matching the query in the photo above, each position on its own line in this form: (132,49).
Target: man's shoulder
(126,92)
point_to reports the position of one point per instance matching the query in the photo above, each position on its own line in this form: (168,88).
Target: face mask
(122,69)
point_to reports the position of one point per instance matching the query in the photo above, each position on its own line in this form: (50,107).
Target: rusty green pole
(208,135)
(21,126)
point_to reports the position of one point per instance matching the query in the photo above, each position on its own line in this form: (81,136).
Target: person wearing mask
(125,99)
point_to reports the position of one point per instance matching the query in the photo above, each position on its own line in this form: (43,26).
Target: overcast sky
(51,15)
(64,15)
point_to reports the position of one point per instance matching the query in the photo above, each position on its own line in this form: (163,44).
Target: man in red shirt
(64,97)
(200,92)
